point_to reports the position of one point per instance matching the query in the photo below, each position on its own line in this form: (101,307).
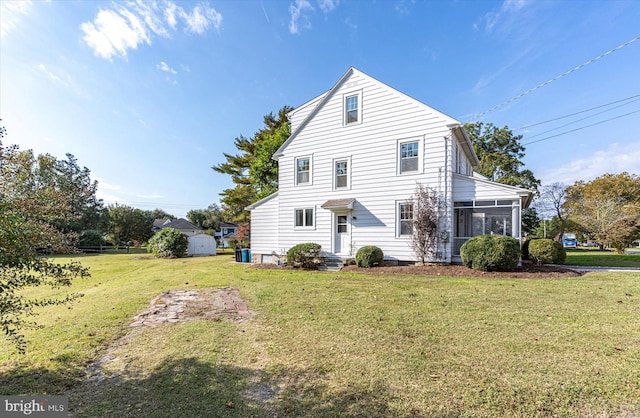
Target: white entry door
(342,238)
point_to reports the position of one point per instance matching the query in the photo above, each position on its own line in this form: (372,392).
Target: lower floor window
(304,217)
(406,218)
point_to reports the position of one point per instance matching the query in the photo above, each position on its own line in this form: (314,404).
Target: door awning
(339,204)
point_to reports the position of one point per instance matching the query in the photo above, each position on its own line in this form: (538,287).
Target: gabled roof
(310,116)
(261,201)
(182,224)
(455,126)
(525,194)
(228,225)
(334,204)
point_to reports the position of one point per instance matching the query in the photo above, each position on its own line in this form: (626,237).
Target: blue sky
(149,94)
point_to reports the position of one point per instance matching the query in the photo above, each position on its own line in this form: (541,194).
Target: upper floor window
(341,174)
(303,170)
(409,157)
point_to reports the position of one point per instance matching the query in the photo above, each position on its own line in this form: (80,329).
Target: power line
(581,119)
(576,113)
(582,127)
(574,69)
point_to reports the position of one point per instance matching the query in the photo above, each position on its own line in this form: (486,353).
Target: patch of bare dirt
(184,305)
(177,306)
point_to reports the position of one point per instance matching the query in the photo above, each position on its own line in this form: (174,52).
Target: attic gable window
(352,108)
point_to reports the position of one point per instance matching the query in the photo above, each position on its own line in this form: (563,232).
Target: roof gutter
(467,146)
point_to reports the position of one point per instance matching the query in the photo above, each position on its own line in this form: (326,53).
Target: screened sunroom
(481,207)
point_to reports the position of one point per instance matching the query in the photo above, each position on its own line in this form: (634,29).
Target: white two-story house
(349,170)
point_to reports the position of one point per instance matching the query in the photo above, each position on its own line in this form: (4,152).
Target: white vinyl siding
(387,120)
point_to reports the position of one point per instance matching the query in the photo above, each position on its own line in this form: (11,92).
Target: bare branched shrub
(426,220)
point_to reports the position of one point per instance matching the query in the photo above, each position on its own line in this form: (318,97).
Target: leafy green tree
(602,205)
(549,202)
(263,169)
(208,218)
(129,225)
(28,205)
(161,214)
(530,221)
(500,153)
(253,179)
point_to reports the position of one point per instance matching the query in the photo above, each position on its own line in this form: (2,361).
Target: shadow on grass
(191,388)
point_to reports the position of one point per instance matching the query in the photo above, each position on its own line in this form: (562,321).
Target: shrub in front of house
(491,253)
(304,256)
(369,256)
(525,247)
(561,253)
(545,251)
(168,242)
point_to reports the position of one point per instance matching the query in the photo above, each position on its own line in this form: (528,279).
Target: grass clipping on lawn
(341,344)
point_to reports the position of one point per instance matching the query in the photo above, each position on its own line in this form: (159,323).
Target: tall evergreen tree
(251,170)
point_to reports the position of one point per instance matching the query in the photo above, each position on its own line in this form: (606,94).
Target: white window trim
(399,156)
(295,170)
(398,212)
(345,96)
(304,217)
(335,176)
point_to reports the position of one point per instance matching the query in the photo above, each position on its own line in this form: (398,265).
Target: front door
(341,231)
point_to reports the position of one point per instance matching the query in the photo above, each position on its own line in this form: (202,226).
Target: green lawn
(339,344)
(609,258)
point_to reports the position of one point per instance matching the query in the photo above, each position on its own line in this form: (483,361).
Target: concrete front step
(331,264)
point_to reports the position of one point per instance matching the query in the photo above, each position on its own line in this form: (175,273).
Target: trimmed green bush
(491,253)
(561,253)
(304,255)
(369,256)
(545,251)
(525,247)
(168,242)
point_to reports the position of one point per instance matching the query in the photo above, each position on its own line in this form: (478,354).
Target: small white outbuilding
(201,244)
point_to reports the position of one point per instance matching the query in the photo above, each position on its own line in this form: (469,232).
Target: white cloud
(106,186)
(124,26)
(11,13)
(328,5)
(150,196)
(63,79)
(615,159)
(491,19)
(300,16)
(199,20)
(114,32)
(163,66)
